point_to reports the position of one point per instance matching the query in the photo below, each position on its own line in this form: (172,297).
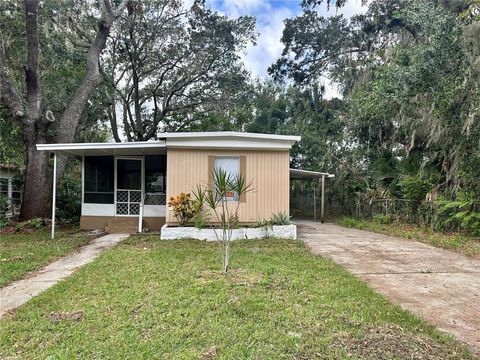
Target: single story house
(126,186)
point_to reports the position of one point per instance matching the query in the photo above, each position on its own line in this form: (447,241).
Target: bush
(460,214)
(69,205)
(4,206)
(184,207)
(33,224)
(383,219)
(280,218)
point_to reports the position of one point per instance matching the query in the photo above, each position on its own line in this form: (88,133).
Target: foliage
(70,194)
(463,214)
(280,218)
(4,206)
(166,65)
(215,198)
(183,207)
(409,124)
(383,219)
(466,244)
(32,224)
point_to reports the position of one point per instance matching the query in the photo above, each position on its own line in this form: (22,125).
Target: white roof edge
(308,173)
(89,146)
(194,139)
(216,134)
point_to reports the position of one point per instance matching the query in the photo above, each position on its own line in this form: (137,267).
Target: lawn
(467,245)
(154,299)
(21,253)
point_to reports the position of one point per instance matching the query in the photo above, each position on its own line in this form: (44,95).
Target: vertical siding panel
(269,171)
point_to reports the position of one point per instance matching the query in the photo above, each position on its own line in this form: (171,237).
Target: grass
(154,299)
(467,245)
(21,253)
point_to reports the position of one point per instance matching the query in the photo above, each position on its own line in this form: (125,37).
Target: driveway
(440,286)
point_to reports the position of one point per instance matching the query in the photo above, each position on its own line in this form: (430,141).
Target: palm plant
(216,197)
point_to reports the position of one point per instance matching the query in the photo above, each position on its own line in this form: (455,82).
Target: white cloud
(259,57)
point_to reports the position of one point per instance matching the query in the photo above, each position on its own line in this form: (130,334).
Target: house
(10,188)
(127,185)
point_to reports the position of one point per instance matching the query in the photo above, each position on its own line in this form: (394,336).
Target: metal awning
(79,149)
(306,174)
(297,174)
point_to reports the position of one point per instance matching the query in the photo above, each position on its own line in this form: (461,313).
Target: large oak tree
(24,96)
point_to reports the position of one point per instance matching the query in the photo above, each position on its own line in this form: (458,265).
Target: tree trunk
(37,194)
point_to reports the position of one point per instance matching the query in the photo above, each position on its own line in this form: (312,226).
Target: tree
(214,200)
(169,65)
(25,99)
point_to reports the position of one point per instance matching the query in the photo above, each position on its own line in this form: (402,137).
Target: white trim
(213,140)
(83,181)
(91,209)
(155,210)
(306,174)
(54,195)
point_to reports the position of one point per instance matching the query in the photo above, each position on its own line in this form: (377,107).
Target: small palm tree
(218,199)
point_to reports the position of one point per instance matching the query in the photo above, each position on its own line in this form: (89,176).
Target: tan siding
(269,171)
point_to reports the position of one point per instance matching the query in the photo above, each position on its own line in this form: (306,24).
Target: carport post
(322,205)
(314,201)
(54,195)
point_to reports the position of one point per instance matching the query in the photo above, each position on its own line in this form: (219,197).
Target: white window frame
(235,196)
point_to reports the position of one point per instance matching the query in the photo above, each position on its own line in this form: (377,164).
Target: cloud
(270,16)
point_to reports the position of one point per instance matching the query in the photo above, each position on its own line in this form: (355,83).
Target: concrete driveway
(440,286)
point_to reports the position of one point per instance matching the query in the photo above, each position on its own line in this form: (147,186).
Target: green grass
(21,253)
(467,245)
(151,299)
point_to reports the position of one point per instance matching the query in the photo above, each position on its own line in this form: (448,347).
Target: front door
(129,185)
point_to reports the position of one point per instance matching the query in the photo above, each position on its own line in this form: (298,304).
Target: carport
(317,180)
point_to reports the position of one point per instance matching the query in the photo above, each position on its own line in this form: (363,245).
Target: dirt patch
(69,316)
(391,341)
(235,276)
(210,353)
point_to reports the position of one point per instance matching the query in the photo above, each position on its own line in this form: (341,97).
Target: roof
(198,140)
(305,174)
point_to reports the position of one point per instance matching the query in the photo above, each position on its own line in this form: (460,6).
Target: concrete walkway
(19,292)
(440,286)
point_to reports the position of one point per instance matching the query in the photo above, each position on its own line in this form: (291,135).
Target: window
(98,180)
(4,187)
(16,192)
(155,179)
(231,166)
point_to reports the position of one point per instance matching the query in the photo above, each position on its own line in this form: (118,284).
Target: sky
(270,15)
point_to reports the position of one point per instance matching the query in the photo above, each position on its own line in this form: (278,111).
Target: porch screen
(99,181)
(155,179)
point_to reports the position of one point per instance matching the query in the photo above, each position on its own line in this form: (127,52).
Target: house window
(16,193)
(231,166)
(98,180)
(4,187)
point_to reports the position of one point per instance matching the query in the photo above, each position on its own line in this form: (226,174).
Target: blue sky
(270,15)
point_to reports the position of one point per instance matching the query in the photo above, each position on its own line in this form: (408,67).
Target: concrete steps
(122,225)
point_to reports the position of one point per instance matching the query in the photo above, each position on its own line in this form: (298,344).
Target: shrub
(34,224)
(383,219)
(184,207)
(4,206)
(280,218)
(459,214)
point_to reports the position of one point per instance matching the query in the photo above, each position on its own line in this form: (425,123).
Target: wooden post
(54,195)
(322,206)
